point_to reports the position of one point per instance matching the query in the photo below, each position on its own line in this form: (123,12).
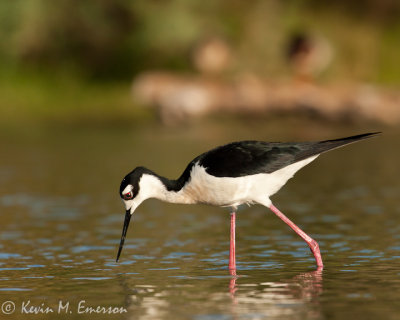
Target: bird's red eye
(128,196)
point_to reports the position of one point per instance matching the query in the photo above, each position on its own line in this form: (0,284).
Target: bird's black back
(244,158)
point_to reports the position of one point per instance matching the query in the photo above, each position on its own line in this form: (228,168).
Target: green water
(61,222)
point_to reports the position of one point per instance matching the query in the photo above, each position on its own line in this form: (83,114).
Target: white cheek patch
(131,205)
(127,189)
(128,204)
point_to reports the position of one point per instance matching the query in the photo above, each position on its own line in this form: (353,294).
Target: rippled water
(61,221)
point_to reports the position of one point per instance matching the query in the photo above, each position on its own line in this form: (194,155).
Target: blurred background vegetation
(68,60)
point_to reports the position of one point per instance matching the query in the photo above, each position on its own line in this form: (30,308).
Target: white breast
(205,188)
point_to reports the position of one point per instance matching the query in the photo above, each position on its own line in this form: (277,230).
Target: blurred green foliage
(114,39)
(73,60)
(29,99)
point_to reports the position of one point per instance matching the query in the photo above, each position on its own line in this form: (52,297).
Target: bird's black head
(130,186)
(130,194)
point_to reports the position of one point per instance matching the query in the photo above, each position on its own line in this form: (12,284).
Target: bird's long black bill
(124,230)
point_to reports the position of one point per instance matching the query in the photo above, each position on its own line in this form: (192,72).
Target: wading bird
(245,172)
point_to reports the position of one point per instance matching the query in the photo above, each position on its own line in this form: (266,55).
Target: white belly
(205,188)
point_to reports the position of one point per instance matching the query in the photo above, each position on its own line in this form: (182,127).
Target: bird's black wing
(244,158)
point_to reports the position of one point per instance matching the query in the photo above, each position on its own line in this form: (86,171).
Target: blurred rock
(309,55)
(211,56)
(182,97)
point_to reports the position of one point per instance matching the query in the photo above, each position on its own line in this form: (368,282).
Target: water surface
(61,221)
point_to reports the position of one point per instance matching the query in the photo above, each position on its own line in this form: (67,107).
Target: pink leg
(232,255)
(310,241)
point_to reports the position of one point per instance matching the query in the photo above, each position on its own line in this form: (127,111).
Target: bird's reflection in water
(207,296)
(298,295)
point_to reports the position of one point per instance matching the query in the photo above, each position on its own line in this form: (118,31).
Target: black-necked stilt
(238,173)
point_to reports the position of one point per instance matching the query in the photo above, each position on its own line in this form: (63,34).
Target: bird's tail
(327,145)
(314,148)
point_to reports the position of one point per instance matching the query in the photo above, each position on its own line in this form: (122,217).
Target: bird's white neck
(153,187)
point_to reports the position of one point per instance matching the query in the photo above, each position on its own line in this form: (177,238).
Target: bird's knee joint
(314,245)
